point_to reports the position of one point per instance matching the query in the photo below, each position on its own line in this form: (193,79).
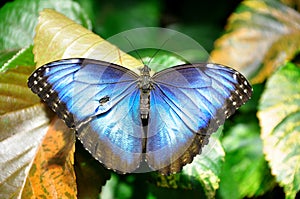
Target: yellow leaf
(276,56)
(58,37)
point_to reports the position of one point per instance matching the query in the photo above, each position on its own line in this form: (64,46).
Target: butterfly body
(108,105)
(145,84)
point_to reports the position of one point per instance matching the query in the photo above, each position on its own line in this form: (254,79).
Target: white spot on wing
(234,76)
(210,65)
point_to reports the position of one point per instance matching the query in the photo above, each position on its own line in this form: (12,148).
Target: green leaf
(133,185)
(17,25)
(116,189)
(90,8)
(203,173)
(121,16)
(19,18)
(11,59)
(161,60)
(204,33)
(5,56)
(279,116)
(245,172)
(206,168)
(260,33)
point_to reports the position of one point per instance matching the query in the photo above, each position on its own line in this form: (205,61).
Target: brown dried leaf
(52,174)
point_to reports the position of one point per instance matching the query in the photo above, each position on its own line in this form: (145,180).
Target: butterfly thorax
(145,85)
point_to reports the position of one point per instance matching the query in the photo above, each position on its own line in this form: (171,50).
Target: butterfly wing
(101,101)
(187,104)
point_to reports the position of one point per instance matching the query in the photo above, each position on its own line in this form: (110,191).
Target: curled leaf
(260,33)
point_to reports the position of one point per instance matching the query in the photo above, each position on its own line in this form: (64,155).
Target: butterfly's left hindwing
(187,104)
(99,100)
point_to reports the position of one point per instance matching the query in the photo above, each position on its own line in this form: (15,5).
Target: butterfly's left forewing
(101,102)
(187,104)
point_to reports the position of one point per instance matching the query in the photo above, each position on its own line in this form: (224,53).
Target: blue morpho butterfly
(123,118)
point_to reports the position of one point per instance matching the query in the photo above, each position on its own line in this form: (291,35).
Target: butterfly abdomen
(144,105)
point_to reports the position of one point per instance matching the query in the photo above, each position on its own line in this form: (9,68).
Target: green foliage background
(261,141)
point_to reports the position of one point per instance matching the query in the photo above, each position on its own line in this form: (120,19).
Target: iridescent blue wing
(101,102)
(187,104)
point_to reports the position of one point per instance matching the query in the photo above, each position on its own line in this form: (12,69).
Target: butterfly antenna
(134,50)
(158,50)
